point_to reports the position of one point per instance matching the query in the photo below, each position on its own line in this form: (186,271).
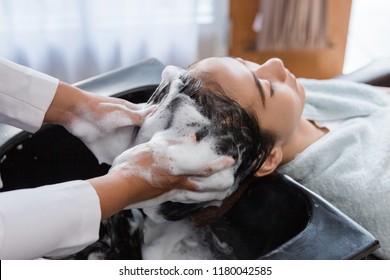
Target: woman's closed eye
(270,86)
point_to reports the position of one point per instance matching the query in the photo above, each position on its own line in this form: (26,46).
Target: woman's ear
(271,163)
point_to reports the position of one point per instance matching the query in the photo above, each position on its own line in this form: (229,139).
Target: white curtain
(291,24)
(76,39)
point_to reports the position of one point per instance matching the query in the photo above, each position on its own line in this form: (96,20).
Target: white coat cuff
(25,95)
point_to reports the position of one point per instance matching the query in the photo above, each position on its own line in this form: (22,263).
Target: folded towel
(350,166)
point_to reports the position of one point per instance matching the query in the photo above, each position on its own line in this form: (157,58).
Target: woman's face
(269,91)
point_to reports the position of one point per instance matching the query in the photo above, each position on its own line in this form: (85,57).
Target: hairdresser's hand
(148,172)
(105,125)
(160,164)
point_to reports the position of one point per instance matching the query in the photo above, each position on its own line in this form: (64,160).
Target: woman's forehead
(212,64)
(234,78)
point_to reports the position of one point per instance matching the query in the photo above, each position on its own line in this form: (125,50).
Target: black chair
(276,218)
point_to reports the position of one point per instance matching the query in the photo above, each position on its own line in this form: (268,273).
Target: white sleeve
(54,220)
(25,95)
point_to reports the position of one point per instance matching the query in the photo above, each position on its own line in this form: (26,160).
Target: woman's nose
(273,69)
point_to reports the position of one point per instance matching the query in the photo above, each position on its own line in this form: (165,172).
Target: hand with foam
(175,169)
(168,163)
(105,125)
(150,171)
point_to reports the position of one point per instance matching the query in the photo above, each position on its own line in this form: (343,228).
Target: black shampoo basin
(276,218)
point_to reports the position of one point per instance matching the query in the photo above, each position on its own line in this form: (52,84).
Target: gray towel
(350,166)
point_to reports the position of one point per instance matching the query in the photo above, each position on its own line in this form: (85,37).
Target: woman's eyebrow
(259,87)
(257,81)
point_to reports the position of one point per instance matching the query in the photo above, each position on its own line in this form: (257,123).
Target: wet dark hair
(236,131)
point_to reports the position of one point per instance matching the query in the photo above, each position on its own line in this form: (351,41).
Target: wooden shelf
(309,63)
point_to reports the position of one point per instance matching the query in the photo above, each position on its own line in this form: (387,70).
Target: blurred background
(77,39)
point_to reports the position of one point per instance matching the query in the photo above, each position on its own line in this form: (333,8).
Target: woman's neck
(307,133)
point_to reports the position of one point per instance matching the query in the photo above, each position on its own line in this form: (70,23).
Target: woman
(331,136)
